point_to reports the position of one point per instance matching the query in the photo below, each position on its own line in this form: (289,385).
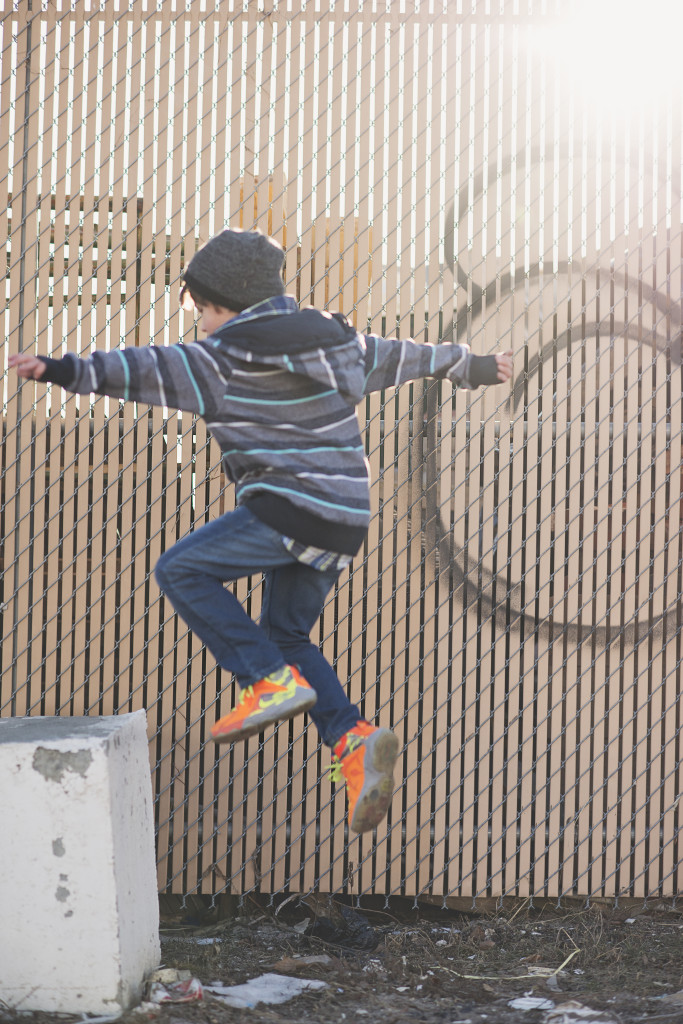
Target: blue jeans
(192,574)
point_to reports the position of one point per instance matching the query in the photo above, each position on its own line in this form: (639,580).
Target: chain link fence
(434,170)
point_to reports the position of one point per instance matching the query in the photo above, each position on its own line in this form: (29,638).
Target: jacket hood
(319,345)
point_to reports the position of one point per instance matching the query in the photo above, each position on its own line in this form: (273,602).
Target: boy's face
(212,317)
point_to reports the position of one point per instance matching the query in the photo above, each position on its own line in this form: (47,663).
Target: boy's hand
(495,369)
(505,365)
(27,365)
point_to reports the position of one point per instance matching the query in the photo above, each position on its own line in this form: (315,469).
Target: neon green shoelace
(335,769)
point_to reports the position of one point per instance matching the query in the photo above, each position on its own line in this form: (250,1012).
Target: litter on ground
(268,988)
(531,1003)
(573,1012)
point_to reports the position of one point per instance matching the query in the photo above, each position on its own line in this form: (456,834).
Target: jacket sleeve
(390,362)
(174,376)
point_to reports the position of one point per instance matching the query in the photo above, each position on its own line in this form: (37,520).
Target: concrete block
(79,911)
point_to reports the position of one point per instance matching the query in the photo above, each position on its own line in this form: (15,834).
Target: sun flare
(619,56)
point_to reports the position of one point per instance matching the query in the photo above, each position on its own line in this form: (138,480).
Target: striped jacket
(277,387)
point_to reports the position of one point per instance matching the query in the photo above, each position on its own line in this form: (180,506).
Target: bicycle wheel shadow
(584,480)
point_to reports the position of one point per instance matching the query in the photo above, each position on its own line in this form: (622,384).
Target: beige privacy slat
(19,427)
(670,869)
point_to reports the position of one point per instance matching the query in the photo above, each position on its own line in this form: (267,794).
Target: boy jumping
(278,388)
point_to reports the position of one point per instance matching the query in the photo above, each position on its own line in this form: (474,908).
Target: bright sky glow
(619,56)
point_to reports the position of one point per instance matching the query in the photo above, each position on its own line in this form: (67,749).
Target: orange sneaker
(279,696)
(365,758)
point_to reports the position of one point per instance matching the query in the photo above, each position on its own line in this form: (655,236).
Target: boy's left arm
(390,362)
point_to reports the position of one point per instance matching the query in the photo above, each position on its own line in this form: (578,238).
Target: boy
(277,387)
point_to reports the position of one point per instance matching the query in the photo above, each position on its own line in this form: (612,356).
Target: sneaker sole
(381,751)
(256,723)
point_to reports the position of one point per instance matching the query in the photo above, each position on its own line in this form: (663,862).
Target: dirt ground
(537,965)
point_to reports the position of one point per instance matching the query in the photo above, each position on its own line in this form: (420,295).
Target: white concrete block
(79,911)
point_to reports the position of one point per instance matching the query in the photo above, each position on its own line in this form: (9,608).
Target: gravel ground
(542,965)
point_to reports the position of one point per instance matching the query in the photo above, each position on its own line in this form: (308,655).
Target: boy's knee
(175,567)
(159,574)
(163,570)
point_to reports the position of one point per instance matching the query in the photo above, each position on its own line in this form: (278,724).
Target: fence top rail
(366,11)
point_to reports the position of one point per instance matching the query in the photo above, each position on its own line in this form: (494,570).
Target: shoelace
(335,769)
(246,693)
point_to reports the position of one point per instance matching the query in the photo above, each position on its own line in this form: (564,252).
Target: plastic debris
(170,986)
(168,976)
(295,963)
(268,988)
(574,1012)
(531,1003)
(374,967)
(150,1011)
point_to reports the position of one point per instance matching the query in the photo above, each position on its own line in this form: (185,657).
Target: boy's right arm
(171,376)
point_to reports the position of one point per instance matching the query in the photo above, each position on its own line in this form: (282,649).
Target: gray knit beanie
(237,269)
